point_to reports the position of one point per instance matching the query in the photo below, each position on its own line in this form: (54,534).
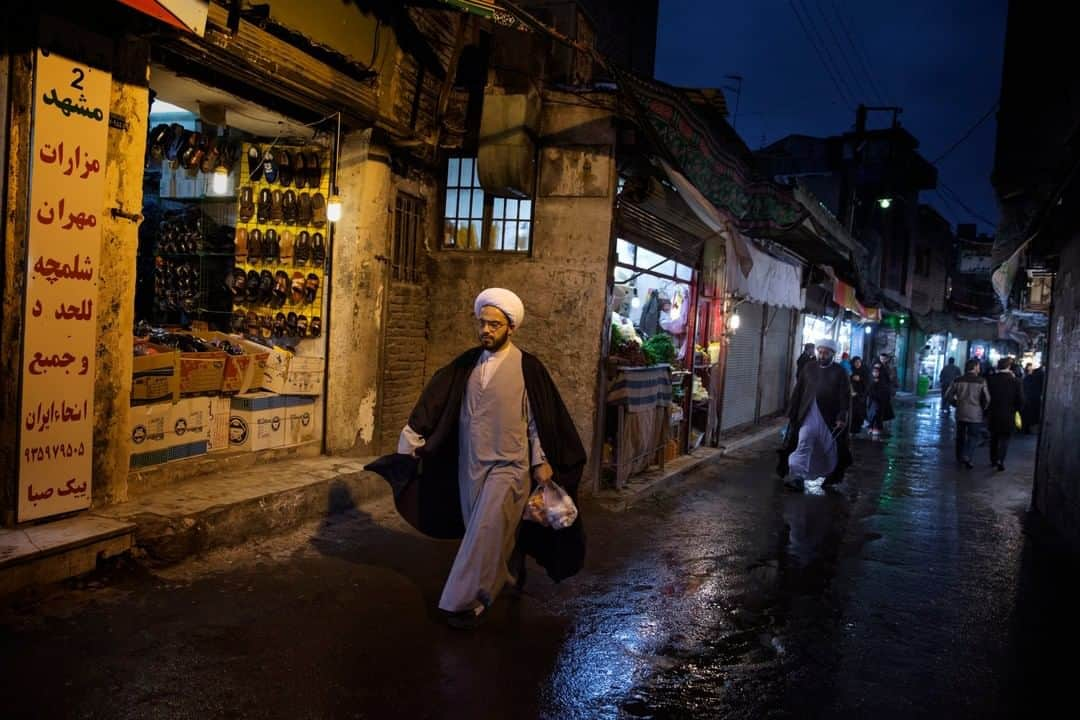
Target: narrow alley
(914,592)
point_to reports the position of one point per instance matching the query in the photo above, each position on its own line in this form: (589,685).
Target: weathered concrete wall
(563,283)
(1057,471)
(116,288)
(358,292)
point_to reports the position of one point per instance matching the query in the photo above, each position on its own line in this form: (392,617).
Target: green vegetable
(659,349)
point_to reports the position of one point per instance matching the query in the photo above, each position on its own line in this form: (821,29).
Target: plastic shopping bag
(549,505)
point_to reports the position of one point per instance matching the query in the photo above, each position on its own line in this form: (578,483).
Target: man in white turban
(817,440)
(487,427)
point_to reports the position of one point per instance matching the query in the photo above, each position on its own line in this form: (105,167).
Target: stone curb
(169,539)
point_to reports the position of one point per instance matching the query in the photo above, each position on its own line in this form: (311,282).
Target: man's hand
(542,473)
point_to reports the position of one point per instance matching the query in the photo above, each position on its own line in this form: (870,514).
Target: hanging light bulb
(867,329)
(220,183)
(735,321)
(635,301)
(333,208)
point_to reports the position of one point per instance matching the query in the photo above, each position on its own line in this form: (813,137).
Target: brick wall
(404,372)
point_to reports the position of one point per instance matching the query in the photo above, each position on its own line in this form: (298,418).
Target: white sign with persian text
(67,190)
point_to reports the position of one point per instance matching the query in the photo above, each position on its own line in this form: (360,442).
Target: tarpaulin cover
(770,281)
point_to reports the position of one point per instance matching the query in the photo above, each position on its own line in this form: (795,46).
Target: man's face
(808,349)
(494,328)
(824,355)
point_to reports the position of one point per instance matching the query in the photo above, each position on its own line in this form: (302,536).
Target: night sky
(940,60)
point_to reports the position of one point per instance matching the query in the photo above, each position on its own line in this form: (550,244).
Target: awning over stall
(771,281)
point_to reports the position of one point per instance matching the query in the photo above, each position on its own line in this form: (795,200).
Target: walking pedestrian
(970,396)
(879,401)
(845,362)
(1006,399)
(488,427)
(949,374)
(859,387)
(888,371)
(817,441)
(1033,393)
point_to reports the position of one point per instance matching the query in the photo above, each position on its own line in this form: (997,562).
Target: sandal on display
(254,244)
(303,209)
(247,203)
(254,162)
(302,251)
(240,244)
(275,207)
(263,213)
(318,250)
(284,162)
(311,288)
(301,325)
(297,291)
(315,329)
(288,207)
(318,210)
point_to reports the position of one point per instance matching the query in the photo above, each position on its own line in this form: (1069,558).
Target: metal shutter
(741,374)
(776,365)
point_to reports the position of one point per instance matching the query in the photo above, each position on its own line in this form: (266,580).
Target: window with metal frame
(475,220)
(405,252)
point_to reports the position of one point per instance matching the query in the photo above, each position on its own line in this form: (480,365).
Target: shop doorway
(231,300)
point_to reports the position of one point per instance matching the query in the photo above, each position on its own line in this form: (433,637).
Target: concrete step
(228,508)
(54,551)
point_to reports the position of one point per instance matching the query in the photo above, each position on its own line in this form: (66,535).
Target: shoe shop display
(302,249)
(318,250)
(303,209)
(318,210)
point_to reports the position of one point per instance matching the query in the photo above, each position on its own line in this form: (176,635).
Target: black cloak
(831,387)
(426,487)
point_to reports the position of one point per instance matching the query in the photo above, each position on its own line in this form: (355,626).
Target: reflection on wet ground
(913,592)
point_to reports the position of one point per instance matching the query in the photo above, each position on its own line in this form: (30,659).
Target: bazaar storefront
(176,225)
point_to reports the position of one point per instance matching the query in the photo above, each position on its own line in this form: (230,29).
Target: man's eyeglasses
(495,325)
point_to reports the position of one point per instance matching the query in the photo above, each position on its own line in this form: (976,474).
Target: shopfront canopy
(770,281)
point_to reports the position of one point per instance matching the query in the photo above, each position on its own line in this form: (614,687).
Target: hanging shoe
(315,329)
(241,242)
(286,248)
(263,213)
(255,245)
(284,163)
(247,204)
(303,209)
(296,295)
(318,250)
(318,210)
(276,215)
(302,250)
(269,166)
(254,163)
(311,288)
(314,170)
(299,170)
(288,207)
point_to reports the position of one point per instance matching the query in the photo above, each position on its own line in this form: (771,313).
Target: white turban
(504,300)
(827,344)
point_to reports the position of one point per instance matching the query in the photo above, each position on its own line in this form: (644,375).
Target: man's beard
(825,363)
(493,343)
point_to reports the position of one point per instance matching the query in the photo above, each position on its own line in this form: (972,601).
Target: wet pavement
(917,591)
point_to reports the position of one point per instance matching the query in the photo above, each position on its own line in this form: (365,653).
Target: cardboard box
(243,373)
(288,374)
(257,421)
(300,420)
(202,372)
(276,371)
(220,410)
(169,431)
(155,377)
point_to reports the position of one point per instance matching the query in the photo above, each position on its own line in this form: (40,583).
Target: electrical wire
(967,133)
(863,63)
(857,83)
(958,201)
(821,57)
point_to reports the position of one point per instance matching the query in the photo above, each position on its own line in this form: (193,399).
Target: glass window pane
(498,209)
(622,274)
(475,234)
(506,239)
(466,171)
(449,233)
(476,173)
(684,273)
(525,211)
(648,260)
(463,204)
(477,204)
(451,204)
(452,169)
(512,209)
(523,236)
(625,251)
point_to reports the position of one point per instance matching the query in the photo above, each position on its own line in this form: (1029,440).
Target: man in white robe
(498,452)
